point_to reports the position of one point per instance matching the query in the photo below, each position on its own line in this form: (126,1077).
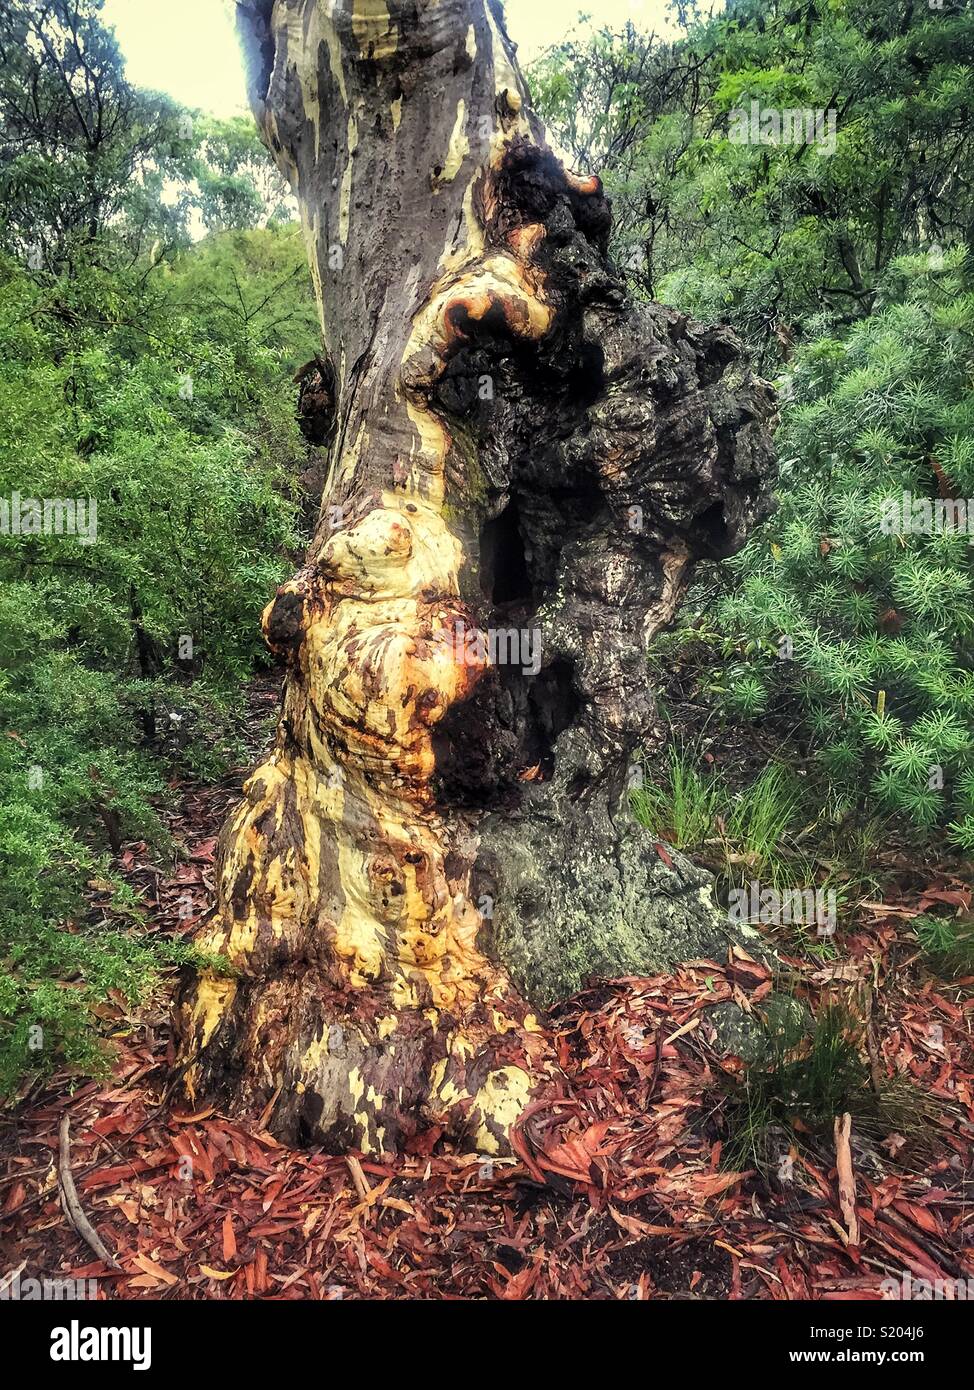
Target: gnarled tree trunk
(523,467)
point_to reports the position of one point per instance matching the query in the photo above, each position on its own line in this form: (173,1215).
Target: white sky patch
(535,25)
(189,48)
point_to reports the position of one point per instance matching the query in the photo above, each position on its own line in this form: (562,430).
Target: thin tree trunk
(523,467)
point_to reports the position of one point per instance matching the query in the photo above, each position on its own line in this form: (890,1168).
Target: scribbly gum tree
(523,467)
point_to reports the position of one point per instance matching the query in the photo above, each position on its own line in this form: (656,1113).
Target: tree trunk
(523,467)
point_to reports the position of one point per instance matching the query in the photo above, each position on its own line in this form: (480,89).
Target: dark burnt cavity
(528,184)
(316,400)
(708,535)
(514,407)
(554,705)
(466,388)
(490,325)
(504,576)
(493,747)
(286,621)
(587,379)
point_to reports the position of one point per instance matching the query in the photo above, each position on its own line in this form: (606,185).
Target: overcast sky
(188,48)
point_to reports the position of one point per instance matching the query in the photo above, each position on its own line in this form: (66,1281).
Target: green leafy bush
(948,943)
(845,614)
(123,648)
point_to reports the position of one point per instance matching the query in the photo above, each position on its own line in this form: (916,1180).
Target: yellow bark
(375,672)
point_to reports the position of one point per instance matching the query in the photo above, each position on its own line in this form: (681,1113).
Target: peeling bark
(522,464)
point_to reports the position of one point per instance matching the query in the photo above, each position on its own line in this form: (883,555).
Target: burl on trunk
(523,467)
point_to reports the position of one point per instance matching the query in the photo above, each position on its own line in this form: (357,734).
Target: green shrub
(121,660)
(947,943)
(806,1070)
(859,625)
(694,810)
(148,379)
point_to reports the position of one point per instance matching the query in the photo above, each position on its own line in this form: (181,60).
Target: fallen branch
(847,1178)
(872,1045)
(72,1203)
(358,1178)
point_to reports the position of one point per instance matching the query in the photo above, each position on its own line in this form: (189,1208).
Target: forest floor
(637,1187)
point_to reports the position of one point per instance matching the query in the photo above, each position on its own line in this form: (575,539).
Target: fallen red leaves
(619,1190)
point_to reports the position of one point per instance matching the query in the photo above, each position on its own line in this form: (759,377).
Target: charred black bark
(597,469)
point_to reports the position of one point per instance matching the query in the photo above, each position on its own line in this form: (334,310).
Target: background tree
(152,378)
(779,240)
(81,150)
(870,603)
(631,105)
(238,185)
